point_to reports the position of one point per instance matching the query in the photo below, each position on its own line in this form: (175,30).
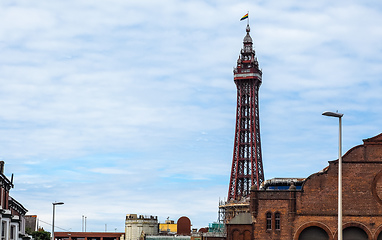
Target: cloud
(118,107)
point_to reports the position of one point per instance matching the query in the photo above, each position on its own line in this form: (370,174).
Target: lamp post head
(58,203)
(333,114)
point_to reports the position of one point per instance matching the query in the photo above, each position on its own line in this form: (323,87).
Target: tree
(41,234)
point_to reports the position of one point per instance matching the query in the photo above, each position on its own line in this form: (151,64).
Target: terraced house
(12,214)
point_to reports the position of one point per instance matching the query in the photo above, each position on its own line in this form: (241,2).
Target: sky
(118,107)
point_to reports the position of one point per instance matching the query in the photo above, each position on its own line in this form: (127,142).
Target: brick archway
(357,225)
(376,187)
(239,232)
(313,224)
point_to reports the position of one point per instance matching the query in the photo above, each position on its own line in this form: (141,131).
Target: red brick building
(300,209)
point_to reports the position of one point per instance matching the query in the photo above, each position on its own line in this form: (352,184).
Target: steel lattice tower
(247,165)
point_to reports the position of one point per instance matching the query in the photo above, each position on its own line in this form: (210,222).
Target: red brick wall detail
(317,203)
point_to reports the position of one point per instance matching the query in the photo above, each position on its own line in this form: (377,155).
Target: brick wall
(316,203)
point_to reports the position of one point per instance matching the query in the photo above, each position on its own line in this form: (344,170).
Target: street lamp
(339,116)
(54,207)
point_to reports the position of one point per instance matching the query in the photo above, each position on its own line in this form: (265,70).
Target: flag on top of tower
(244,17)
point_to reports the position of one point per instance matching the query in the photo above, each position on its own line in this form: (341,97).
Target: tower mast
(247,165)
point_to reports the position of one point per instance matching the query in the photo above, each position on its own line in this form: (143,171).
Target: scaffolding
(228,210)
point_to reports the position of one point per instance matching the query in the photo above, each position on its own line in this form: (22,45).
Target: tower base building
(304,209)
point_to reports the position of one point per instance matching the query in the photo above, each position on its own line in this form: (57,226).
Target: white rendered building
(137,226)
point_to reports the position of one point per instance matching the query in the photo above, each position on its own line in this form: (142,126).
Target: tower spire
(247,165)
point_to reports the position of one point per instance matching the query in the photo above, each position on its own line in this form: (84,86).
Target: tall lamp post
(54,207)
(339,116)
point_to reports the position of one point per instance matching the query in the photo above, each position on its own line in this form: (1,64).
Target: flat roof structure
(89,235)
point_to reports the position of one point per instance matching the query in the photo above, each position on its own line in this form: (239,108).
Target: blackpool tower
(247,165)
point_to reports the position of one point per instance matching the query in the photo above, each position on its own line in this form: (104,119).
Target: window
(1,196)
(12,232)
(3,230)
(269,221)
(277,221)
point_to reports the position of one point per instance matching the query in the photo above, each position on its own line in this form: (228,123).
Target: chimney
(2,167)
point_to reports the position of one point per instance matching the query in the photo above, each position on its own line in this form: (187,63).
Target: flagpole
(248,18)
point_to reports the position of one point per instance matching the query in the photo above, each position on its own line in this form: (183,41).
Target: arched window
(269,221)
(379,236)
(354,233)
(313,233)
(277,221)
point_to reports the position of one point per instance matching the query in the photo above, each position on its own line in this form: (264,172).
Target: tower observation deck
(247,165)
